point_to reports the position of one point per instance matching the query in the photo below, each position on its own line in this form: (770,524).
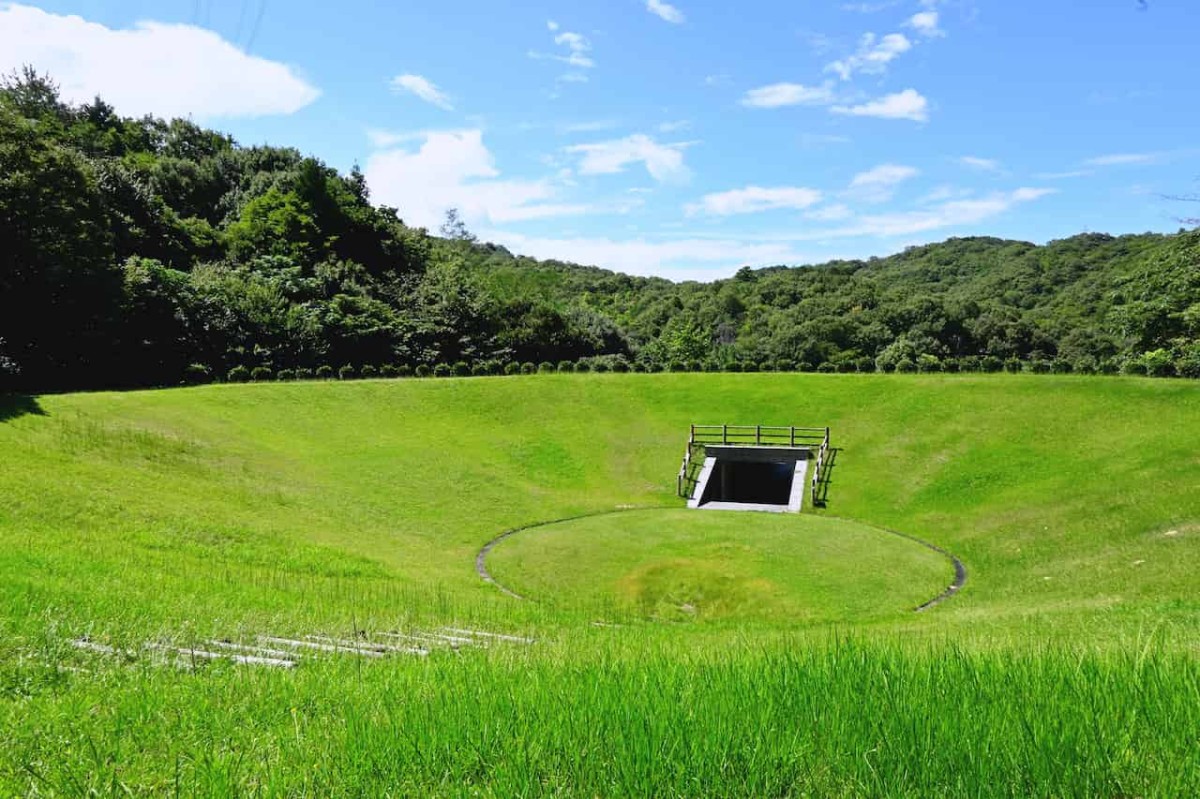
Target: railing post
(793,435)
(757,434)
(724,434)
(692,437)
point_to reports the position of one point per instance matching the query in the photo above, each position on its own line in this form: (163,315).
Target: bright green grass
(683,565)
(328,507)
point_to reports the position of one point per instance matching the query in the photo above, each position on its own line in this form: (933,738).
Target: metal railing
(811,438)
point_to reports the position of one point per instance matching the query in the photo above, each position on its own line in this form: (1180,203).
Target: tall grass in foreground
(832,719)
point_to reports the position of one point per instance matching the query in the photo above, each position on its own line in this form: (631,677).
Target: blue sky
(682,138)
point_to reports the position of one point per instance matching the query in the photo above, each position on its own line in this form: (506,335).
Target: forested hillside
(145,252)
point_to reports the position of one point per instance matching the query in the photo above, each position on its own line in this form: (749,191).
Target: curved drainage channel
(960,569)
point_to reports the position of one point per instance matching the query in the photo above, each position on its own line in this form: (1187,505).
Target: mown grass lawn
(757,654)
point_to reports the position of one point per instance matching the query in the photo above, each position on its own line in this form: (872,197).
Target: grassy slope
(301,507)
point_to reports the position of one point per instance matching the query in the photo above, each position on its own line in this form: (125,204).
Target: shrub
(805,366)
(1059,366)
(346,372)
(1158,363)
(423,370)
(479,370)
(285,375)
(846,366)
(545,368)
(652,366)
(990,363)
(404,370)
(1188,363)
(460,369)
(1133,366)
(620,365)
(905,366)
(196,374)
(886,365)
(566,366)
(676,366)
(1108,367)
(304,373)
(695,366)
(865,364)
(442,370)
(827,368)
(733,366)
(750,366)
(325,372)
(512,368)
(928,363)
(711,366)
(238,374)
(766,366)
(950,365)
(584,366)
(387,370)
(369,371)
(528,368)
(1039,366)
(785,366)
(492,367)
(1012,365)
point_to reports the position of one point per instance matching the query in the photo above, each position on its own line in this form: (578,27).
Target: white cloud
(879,184)
(423,88)
(982,164)
(873,55)
(716,80)
(156,68)
(908,104)
(686,258)
(944,192)
(664,162)
(674,126)
(665,11)
(954,213)
(1071,173)
(576,48)
(869,8)
(778,95)
(1124,159)
(591,126)
(454,169)
(925,23)
(830,213)
(753,199)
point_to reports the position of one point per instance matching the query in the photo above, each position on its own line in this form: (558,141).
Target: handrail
(756,435)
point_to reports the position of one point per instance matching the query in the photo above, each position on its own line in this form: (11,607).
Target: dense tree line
(146,252)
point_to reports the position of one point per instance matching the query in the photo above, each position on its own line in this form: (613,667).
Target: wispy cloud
(908,104)
(982,164)
(878,185)
(1070,173)
(873,55)
(1124,159)
(755,199)
(778,95)
(954,213)
(574,48)
(925,23)
(665,11)
(674,125)
(830,213)
(423,88)
(664,162)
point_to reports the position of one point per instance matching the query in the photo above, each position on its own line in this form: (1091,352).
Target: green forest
(145,252)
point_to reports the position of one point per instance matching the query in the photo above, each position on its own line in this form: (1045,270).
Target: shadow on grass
(827,477)
(14,406)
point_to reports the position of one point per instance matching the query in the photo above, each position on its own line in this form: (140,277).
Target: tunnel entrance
(752,478)
(747,481)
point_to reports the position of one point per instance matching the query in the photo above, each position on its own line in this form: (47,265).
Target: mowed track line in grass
(1068,658)
(682,564)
